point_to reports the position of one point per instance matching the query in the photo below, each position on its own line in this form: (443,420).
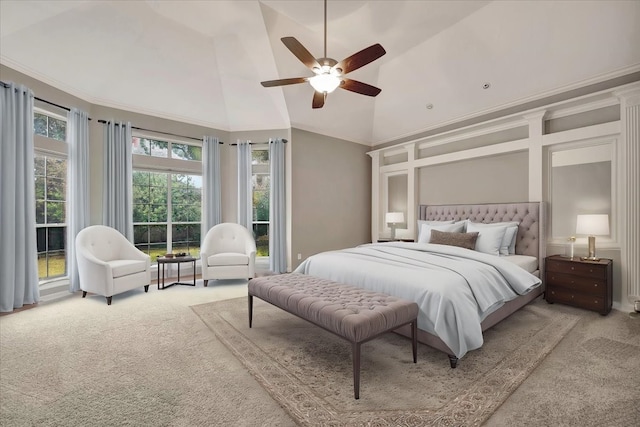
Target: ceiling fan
(329,73)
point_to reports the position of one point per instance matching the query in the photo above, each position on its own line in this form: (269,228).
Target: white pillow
(489,238)
(425,230)
(421,222)
(510,236)
(508,246)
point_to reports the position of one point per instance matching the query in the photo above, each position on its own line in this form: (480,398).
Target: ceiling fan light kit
(325,82)
(330,75)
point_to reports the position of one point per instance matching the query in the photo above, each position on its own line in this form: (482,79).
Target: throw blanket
(455,288)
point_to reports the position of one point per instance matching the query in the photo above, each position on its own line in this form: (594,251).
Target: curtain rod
(164,133)
(43,100)
(260,143)
(54,104)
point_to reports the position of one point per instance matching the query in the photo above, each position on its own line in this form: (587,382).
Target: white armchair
(109,264)
(228,251)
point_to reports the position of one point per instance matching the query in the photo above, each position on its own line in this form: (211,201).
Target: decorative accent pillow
(425,231)
(463,240)
(489,238)
(508,246)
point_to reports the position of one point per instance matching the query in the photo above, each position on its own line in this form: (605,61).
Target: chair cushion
(228,258)
(124,267)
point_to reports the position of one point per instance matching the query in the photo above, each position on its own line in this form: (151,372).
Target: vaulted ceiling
(202,62)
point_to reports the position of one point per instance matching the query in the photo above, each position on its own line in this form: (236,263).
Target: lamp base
(592,251)
(393,232)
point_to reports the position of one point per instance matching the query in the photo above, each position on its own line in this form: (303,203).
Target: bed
(460,292)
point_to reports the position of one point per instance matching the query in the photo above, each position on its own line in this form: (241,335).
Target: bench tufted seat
(352,313)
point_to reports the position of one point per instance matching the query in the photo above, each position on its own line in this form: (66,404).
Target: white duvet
(455,288)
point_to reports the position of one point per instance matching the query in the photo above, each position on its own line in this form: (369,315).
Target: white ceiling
(201,62)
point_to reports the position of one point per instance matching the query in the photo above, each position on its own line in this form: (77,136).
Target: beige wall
(496,179)
(331,189)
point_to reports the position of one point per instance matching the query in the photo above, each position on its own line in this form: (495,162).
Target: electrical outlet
(299,256)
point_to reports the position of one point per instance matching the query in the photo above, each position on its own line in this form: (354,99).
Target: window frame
(170,166)
(255,222)
(44,146)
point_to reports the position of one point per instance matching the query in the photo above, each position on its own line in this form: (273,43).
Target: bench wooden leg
(250,310)
(414,339)
(356,370)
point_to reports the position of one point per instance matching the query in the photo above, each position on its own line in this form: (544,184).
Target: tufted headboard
(530,215)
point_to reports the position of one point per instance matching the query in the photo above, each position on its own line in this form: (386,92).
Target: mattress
(529,263)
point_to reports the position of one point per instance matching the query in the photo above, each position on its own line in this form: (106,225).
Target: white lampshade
(394,217)
(593,225)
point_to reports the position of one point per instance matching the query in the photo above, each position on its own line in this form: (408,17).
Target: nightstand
(584,284)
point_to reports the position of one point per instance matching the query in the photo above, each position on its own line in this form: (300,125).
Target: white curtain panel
(18,245)
(117,204)
(212,214)
(277,209)
(78,187)
(245,200)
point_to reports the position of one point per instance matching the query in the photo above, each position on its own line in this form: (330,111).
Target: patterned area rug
(308,371)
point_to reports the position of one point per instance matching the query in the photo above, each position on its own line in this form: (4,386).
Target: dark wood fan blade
(282,82)
(359,87)
(300,52)
(318,99)
(360,59)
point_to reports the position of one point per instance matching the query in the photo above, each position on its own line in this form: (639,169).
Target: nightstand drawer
(578,268)
(587,285)
(566,296)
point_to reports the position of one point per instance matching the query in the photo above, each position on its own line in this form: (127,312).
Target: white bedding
(455,288)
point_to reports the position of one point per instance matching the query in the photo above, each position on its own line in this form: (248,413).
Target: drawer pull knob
(572,282)
(591,270)
(595,285)
(573,268)
(572,296)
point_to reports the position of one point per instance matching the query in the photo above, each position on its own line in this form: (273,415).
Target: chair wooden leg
(250,310)
(146,288)
(108,300)
(205,283)
(84,294)
(356,370)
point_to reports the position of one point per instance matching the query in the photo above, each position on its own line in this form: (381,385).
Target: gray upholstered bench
(354,314)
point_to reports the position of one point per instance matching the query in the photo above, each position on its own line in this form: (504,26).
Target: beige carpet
(309,371)
(149,360)
(146,360)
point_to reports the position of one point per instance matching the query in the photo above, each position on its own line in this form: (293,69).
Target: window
(49,126)
(50,170)
(260,180)
(167,205)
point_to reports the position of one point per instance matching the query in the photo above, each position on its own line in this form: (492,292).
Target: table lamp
(394,218)
(592,225)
